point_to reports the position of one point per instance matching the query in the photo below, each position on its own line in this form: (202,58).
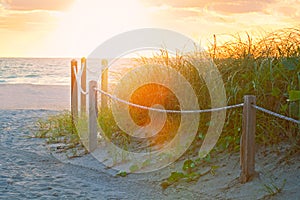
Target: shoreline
(34,97)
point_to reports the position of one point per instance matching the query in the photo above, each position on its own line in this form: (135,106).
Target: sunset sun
(88,23)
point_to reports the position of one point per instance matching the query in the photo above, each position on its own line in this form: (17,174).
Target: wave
(32,76)
(12,76)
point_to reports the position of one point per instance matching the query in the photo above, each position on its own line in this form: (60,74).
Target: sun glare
(88,23)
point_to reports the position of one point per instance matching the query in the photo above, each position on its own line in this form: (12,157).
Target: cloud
(26,5)
(204,3)
(176,3)
(226,11)
(237,7)
(27,21)
(201,18)
(219,6)
(176,12)
(285,8)
(30,15)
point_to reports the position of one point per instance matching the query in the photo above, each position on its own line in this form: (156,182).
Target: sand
(29,170)
(27,96)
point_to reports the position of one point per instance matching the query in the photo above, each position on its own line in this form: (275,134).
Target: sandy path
(29,171)
(28,175)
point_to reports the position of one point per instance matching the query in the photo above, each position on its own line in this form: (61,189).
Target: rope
(78,80)
(276,114)
(167,111)
(89,70)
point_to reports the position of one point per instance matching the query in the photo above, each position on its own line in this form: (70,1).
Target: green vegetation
(190,172)
(268,68)
(111,129)
(60,129)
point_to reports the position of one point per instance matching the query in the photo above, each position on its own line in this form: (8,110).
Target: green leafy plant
(122,173)
(191,171)
(188,166)
(294,95)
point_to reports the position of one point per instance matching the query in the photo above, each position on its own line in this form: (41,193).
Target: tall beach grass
(268,68)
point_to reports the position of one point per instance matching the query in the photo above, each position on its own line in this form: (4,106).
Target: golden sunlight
(71,28)
(88,23)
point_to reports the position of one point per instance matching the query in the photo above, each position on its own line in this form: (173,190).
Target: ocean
(38,71)
(44,83)
(51,71)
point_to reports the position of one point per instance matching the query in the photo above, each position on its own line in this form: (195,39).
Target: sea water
(52,71)
(40,71)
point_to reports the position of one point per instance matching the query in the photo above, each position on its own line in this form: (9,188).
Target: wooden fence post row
(92,104)
(247,145)
(74,92)
(92,127)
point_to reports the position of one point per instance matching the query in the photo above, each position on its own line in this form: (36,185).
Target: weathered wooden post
(104,87)
(92,127)
(74,91)
(247,145)
(83,86)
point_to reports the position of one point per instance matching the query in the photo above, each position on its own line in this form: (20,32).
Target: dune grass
(268,68)
(59,129)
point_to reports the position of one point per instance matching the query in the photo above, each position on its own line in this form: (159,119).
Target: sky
(73,28)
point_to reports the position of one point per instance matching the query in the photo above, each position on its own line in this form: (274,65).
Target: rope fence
(247,143)
(78,76)
(276,114)
(167,111)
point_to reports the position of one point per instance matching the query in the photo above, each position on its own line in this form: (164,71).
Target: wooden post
(247,145)
(74,91)
(83,86)
(104,87)
(92,130)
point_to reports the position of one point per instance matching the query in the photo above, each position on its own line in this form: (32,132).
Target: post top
(249,96)
(74,62)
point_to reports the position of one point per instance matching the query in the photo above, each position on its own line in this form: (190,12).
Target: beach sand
(27,96)
(29,170)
